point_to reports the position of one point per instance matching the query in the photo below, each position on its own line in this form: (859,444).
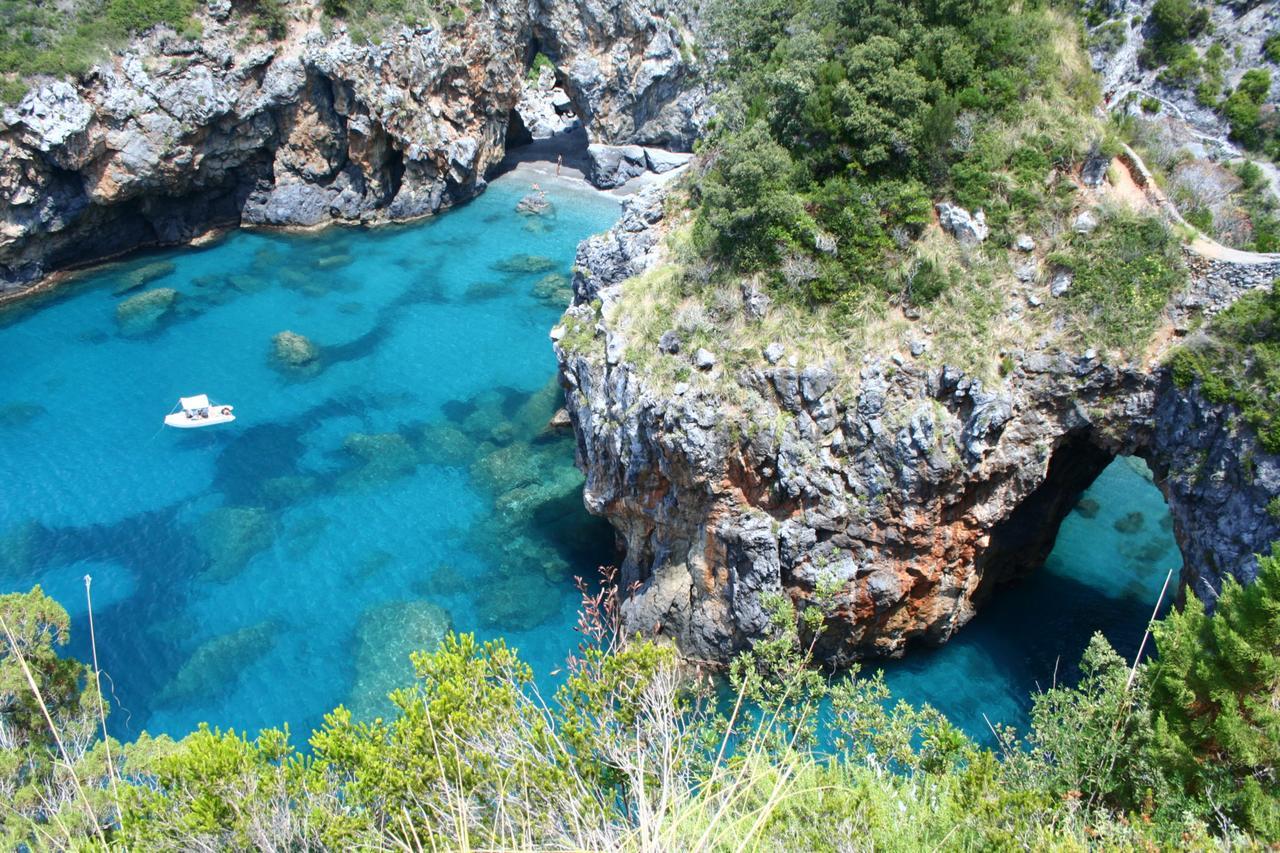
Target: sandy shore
(537,162)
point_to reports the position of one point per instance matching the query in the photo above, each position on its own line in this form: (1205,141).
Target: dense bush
(1243,111)
(844,122)
(1237,361)
(131,16)
(1173,23)
(631,754)
(1214,697)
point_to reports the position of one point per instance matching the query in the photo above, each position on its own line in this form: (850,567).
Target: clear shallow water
(266,571)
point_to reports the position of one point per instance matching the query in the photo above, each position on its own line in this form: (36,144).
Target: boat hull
(180,420)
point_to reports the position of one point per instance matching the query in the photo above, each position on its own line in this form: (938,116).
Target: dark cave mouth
(1024,541)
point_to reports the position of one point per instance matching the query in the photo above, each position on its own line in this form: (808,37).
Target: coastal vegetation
(826,160)
(1236,360)
(44,37)
(632,753)
(824,176)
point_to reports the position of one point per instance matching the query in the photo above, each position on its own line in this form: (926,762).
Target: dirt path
(1143,189)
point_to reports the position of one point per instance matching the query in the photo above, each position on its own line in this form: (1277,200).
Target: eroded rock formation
(906,492)
(173,136)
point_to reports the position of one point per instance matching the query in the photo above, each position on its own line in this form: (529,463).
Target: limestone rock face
(911,490)
(170,138)
(968,229)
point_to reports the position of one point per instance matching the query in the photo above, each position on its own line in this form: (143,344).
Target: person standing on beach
(559,161)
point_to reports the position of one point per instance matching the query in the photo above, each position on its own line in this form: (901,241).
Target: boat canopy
(199,401)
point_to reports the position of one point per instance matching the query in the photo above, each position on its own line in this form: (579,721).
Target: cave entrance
(1023,541)
(545,129)
(1105,559)
(1101,513)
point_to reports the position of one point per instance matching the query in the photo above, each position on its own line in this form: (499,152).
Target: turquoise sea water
(397,479)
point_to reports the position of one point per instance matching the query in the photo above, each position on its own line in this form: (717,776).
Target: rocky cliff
(172,137)
(900,491)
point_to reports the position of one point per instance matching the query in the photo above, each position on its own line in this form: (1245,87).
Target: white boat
(197,411)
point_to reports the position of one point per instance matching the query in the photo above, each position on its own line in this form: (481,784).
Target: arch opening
(1098,551)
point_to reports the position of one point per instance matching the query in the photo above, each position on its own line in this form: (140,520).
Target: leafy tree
(52,778)
(1214,697)
(750,207)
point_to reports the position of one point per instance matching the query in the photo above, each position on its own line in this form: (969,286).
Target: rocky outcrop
(901,494)
(1219,485)
(969,229)
(1124,31)
(173,136)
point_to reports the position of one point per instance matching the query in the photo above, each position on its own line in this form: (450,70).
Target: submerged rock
(373,564)
(284,490)
(382,457)
(217,663)
(145,312)
(385,638)
(525,264)
(17,550)
(230,537)
(19,414)
(555,289)
(329,262)
(144,275)
(1130,523)
(483,291)
(444,580)
(1088,508)
(445,444)
(294,353)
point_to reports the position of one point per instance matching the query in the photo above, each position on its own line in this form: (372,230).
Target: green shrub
(1271,48)
(540,61)
(271,16)
(138,15)
(628,754)
(1124,273)
(1243,111)
(1150,105)
(1174,22)
(1217,723)
(751,212)
(1201,218)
